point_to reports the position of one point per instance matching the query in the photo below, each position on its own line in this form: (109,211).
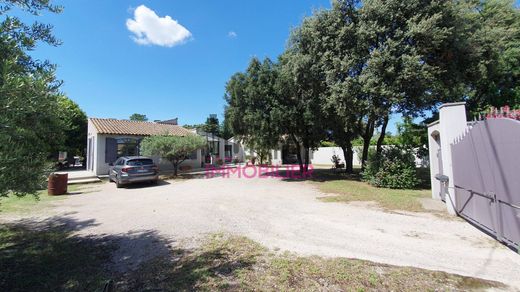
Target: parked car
(130,169)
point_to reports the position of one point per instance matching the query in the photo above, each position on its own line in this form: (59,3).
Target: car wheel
(118,184)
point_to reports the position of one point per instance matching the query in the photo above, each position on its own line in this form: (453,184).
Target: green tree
(338,56)
(301,87)
(212,125)
(138,117)
(30,128)
(225,130)
(175,149)
(251,98)
(405,68)
(74,122)
(491,29)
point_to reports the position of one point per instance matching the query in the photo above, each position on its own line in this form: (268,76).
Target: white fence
(324,155)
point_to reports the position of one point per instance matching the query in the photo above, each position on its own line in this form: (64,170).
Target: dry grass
(50,258)
(239,264)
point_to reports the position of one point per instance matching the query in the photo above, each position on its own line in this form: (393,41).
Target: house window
(127,147)
(214,147)
(193,155)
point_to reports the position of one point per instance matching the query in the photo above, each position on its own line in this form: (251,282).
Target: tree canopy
(138,117)
(175,149)
(347,69)
(30,125)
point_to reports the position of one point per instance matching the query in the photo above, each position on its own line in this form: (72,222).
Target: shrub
(220,162)
(328,144)
(393,168)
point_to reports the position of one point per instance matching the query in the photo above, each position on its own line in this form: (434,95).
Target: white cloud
(150,29)
(232,34)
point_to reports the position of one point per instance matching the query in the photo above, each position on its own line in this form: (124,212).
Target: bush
(328,144)
(393,168)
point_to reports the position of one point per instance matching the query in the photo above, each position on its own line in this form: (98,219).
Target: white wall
(452,124)
(324,155)
(240,155)
(91,153)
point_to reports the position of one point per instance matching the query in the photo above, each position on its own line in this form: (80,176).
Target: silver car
(130,169)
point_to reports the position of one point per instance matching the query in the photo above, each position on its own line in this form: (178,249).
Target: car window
(120,161)
(139,162)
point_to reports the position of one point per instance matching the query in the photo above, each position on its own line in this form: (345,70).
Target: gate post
(452,125)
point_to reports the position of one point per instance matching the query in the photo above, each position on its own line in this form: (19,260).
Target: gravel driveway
(288,216)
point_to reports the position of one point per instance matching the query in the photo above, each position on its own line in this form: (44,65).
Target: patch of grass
(27,203)
(31,203)
(50,259)
(232,263)
(348,190)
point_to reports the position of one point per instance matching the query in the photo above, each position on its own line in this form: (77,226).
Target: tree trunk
(175,168)
(298,153)
(367,136)
(306,149)
(381,139)
(348,154)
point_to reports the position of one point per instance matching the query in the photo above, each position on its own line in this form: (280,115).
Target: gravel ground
(283,216)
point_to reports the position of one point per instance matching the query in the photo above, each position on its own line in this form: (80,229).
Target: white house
(109,139)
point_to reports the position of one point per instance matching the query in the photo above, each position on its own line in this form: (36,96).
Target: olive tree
(30,127)
(175,149)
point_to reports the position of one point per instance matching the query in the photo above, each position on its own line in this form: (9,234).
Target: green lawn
(31,203)
(389,199)
(28,203)
(343,187)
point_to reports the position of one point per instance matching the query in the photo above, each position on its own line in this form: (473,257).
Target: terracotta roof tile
(125,127)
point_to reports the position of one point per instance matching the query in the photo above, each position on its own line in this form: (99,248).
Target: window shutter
(110,150)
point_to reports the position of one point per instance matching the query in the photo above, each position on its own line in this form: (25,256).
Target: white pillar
(434,147)
(452,124)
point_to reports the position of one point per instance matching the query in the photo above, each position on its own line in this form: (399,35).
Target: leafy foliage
(74,125)
(138,117)
(212,125)
(30,125)
(175,149)
(492,29)
(252,112)
(392,168)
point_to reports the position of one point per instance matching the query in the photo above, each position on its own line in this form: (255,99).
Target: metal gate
(486,175)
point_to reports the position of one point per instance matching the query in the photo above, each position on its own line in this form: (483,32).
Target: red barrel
(57,184)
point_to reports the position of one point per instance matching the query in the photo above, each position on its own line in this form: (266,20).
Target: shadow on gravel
(49,255)
(141,185)
(316,175)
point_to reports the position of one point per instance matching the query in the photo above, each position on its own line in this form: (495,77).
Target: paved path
(287,216)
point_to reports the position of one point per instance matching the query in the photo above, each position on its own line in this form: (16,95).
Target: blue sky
(110,75)
(113,72)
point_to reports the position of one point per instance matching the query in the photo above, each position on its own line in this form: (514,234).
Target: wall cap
(452,104)
(433,123)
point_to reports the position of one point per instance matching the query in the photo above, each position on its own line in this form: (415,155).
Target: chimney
(169,122)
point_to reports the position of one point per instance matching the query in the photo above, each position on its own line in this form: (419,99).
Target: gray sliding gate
(486,175)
